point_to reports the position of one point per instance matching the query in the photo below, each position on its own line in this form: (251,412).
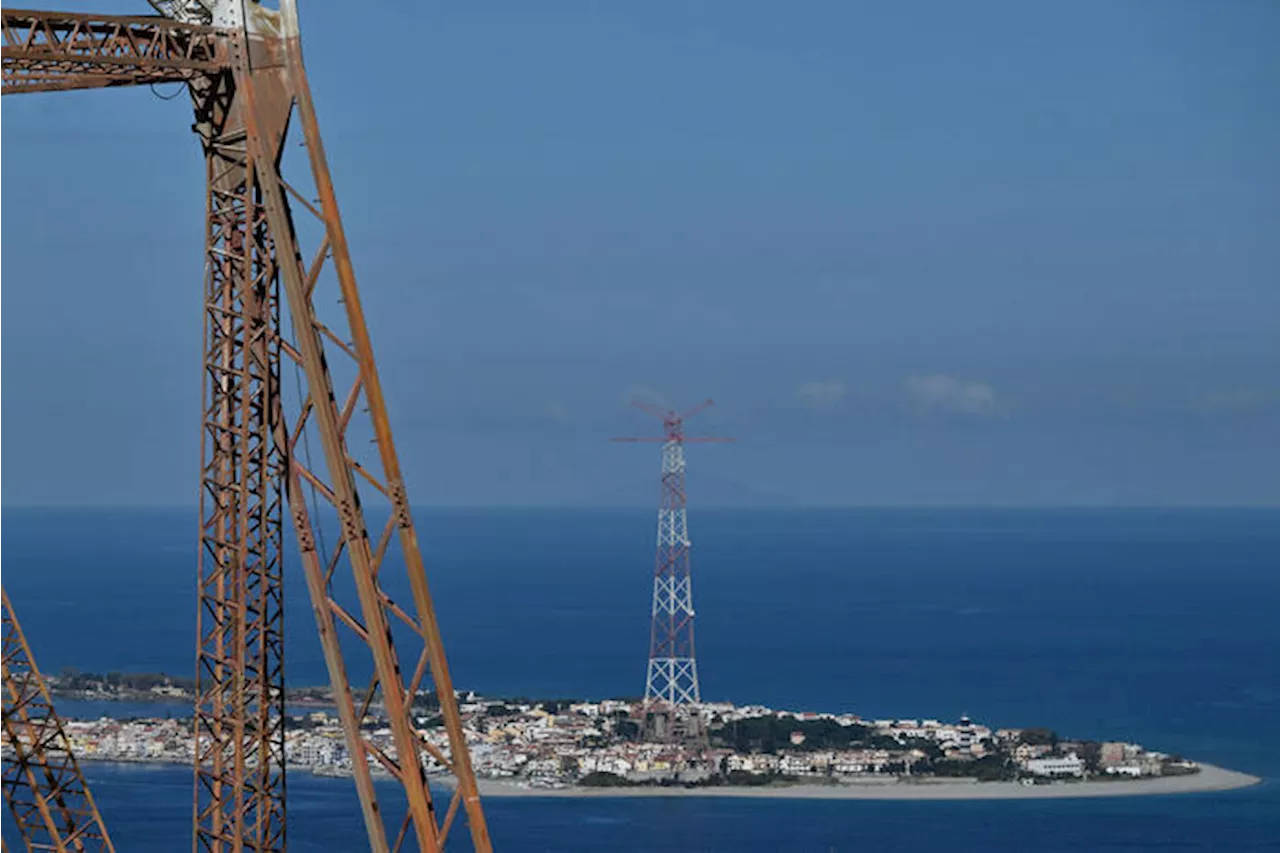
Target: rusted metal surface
(244,95)
(363,620)
(46,793)
(239,799)
(51,51)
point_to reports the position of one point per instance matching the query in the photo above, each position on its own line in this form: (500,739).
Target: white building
(312,751)
(752,763)
(796,765)
(1134,770)
(1071,765)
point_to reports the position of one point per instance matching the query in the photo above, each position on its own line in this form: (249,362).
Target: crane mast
(276,257)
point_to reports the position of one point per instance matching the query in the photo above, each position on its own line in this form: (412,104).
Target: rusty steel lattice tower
(47,795)
(269,280)
(672,675)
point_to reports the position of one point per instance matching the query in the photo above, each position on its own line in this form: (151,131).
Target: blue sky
(998,253)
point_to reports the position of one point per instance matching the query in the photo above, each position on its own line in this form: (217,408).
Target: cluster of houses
(1114,759)
(550,748)
(557,744)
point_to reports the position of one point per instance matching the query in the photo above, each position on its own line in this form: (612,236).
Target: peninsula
(565,747)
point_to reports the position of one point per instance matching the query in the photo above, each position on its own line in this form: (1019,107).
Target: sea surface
(1157,626)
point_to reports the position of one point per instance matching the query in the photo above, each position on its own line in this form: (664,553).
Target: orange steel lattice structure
(47,795)
(242,65)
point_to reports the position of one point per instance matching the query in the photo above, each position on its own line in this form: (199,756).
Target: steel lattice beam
(51,51)
(47,795)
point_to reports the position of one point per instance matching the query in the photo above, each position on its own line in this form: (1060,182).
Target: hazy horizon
(926,253)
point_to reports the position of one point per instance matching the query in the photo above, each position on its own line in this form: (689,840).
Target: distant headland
(621,747)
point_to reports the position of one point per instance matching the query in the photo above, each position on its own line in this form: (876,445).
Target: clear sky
(1019,253)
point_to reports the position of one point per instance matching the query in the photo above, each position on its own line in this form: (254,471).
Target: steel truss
(248,90)
(46,793)
(672,675)
(239,712)
(48,51)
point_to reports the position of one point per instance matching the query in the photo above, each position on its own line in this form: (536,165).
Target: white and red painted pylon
(673,667)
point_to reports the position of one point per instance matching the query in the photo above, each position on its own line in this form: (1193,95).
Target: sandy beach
(1209,778)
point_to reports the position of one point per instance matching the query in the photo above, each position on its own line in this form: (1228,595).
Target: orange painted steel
(43,786)
(247,83)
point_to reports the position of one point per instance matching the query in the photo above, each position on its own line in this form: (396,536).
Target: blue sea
(1152,625)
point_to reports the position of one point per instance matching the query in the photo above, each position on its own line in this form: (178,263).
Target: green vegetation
(70,678)
(600,779)
(930,748)
(1091,753)
(557,706)
(1038,737)
(309,694)
(738,778)
(989,768)
(770,734)
(626,729)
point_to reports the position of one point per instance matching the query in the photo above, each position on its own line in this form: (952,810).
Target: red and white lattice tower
(673,667)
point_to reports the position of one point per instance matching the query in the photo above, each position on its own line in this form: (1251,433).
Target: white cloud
(821,395)
(556,412)
(937,392)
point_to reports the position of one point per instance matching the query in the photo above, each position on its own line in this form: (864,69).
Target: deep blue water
(1157,626)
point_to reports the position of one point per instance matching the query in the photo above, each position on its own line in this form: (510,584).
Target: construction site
(280,296)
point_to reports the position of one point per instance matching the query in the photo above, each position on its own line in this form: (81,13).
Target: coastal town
(557,744)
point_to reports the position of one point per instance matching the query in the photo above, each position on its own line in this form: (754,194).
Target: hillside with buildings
(616,743)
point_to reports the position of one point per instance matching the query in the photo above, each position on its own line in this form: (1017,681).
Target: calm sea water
(1157,626)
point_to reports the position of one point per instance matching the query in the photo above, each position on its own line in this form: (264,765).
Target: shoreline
(1210,778)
